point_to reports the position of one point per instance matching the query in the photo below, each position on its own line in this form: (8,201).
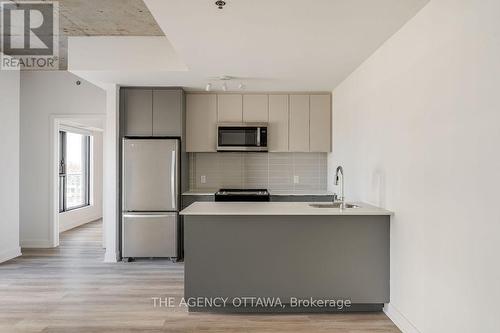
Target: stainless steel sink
(333,205)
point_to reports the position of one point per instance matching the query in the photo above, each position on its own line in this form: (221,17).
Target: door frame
(56,122)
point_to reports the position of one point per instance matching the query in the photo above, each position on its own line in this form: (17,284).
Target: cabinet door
(167,112)
(201,122)
(229,108)
(278,123)
(255,108)
(321,122)
(138,112)
(299,123)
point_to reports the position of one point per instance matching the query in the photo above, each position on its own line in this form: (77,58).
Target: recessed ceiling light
(220,3)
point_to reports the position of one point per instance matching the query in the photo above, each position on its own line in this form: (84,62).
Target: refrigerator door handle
(173,180)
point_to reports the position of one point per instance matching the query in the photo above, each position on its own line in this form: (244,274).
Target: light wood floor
(69,289)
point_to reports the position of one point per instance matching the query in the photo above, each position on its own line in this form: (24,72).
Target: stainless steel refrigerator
(150,197)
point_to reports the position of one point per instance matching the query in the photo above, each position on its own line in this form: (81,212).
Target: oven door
(240,138)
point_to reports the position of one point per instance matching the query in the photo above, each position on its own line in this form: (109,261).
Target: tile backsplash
(274,171)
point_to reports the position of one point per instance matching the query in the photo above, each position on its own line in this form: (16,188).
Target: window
(74,170)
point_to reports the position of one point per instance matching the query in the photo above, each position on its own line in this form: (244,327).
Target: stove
(231,194)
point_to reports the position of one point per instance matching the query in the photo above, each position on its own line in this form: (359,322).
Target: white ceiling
(278,45)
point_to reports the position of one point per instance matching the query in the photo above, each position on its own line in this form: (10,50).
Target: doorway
(77,166)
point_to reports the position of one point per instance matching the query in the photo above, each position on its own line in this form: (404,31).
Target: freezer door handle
(148,215)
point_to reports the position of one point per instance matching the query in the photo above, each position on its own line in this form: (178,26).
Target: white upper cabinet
(320,123)
(201,122)
(299,123)
(255,108)
(278,123)
(230,108)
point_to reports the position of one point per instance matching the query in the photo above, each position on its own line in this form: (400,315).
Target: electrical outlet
(296,179)
(203,179)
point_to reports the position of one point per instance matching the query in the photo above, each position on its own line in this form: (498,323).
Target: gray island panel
(332,257)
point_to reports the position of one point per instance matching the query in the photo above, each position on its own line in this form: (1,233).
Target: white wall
(45,95)
(9,165)
(417,128)
(111,177)
(77,217)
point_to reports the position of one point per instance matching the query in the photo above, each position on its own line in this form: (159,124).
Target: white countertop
(285,192)
(301,192)
(276,208)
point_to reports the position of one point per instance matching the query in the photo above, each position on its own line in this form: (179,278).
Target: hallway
(69,289)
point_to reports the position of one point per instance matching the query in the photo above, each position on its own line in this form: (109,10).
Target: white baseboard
(399,319)
(36,243)
(10,254)
(111,256)
(76,223)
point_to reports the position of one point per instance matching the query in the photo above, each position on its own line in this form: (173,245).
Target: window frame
(87,151)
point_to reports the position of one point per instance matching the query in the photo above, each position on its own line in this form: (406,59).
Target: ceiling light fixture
(220,3)
(222,81)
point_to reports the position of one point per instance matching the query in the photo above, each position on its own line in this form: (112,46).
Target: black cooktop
(237,194)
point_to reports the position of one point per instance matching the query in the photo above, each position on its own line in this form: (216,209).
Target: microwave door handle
(258,136)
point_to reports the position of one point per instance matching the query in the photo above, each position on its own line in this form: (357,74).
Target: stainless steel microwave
(242,137)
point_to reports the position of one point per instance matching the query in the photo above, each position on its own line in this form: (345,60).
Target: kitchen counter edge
(277,193)
(277,208)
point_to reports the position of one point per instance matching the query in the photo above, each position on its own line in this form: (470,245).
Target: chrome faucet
(340,174)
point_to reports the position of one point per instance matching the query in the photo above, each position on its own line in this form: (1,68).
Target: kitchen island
(285,257)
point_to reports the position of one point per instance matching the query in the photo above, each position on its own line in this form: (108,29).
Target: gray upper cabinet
(255,108)
(320,123)
(152,112)
(229,108)
(138,112)
(167,112)
(299,123)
